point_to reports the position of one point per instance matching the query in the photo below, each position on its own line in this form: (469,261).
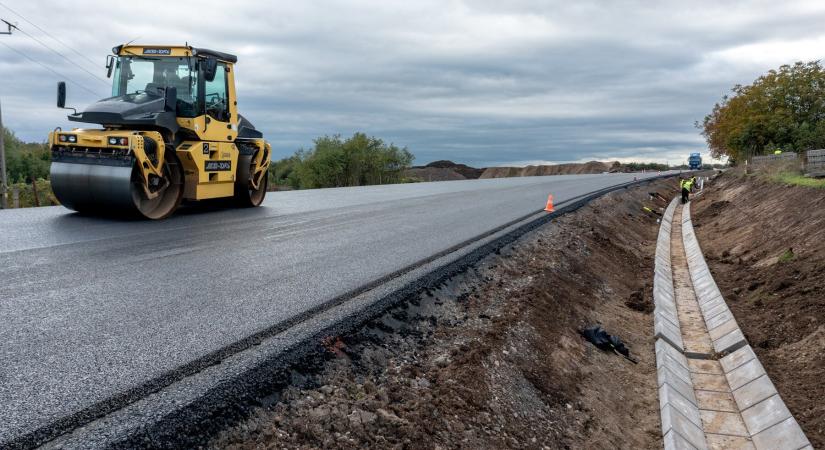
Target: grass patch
(796,179)
(786,256)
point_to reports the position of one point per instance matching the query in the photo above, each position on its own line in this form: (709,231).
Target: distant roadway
(92,307)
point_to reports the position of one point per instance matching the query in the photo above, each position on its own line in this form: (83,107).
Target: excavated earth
(765,244)
(494,358)
(552,169)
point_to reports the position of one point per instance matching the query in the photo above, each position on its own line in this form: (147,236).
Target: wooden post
(15,197)
(34,192)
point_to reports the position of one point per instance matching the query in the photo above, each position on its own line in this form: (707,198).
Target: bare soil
(433,174)
(494,358)
(765,244)
(466,171)
(444,170)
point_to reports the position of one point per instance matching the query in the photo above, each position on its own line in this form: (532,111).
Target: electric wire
(49,69)
(62,56)
(94,64)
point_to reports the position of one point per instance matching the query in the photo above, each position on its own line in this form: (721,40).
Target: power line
(49,69)
(49,35)
(62,56)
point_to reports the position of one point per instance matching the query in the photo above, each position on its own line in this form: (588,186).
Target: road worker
(683,185)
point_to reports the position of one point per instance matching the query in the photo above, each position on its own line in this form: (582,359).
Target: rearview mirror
(110,64)
(61,94)
(210,66)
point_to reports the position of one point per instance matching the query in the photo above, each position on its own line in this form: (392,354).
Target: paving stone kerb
(714,309)
(769,422)
(665,315)
(681,421)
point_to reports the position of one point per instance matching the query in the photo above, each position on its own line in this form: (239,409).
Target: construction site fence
(766,159)
(812,163)
(815,162)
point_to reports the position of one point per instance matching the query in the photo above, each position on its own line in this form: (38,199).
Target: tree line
(781,110)
(334,162)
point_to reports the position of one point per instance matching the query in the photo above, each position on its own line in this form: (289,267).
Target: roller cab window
(216,99)
(139,79)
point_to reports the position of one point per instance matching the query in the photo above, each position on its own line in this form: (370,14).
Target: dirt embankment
(462,169)
(765,244)
(444,171)
(555,169)
(493,358)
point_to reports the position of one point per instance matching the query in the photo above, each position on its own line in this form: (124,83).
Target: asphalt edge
(192,423)
(768,420)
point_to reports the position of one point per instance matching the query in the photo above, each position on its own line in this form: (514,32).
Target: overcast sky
(481,82)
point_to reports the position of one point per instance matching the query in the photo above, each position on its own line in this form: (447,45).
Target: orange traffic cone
(549,207)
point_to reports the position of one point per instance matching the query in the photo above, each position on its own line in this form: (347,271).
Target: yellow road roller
(170,132)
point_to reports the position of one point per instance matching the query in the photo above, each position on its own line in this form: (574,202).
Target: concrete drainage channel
(713,392)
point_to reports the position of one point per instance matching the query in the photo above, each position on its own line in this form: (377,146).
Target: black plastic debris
(607,342)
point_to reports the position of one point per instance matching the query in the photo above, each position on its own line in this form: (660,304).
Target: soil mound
(434,174)
(466,171)
(444,170)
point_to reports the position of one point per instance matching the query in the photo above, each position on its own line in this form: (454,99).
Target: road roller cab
(170,132)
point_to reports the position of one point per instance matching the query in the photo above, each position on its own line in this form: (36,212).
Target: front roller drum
(102,189)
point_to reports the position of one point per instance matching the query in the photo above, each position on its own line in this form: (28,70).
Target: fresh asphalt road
(90,307)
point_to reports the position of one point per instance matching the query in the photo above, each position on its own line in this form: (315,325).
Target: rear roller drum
(245,194)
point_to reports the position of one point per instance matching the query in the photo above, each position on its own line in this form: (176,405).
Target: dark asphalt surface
(92,307)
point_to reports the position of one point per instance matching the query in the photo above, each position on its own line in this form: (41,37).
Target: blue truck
(695,161)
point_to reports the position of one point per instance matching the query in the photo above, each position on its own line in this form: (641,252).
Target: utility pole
(3,182)
(8,25)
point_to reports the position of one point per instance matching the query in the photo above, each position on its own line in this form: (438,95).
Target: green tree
(333,161)
(781,110)
(25,160)
(284,172)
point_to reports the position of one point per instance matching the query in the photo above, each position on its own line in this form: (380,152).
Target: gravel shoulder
(493,358)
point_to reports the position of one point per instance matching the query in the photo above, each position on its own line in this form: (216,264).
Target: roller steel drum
(92,187)
(108,189)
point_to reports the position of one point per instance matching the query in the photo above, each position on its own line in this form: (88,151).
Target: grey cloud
(481,82)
